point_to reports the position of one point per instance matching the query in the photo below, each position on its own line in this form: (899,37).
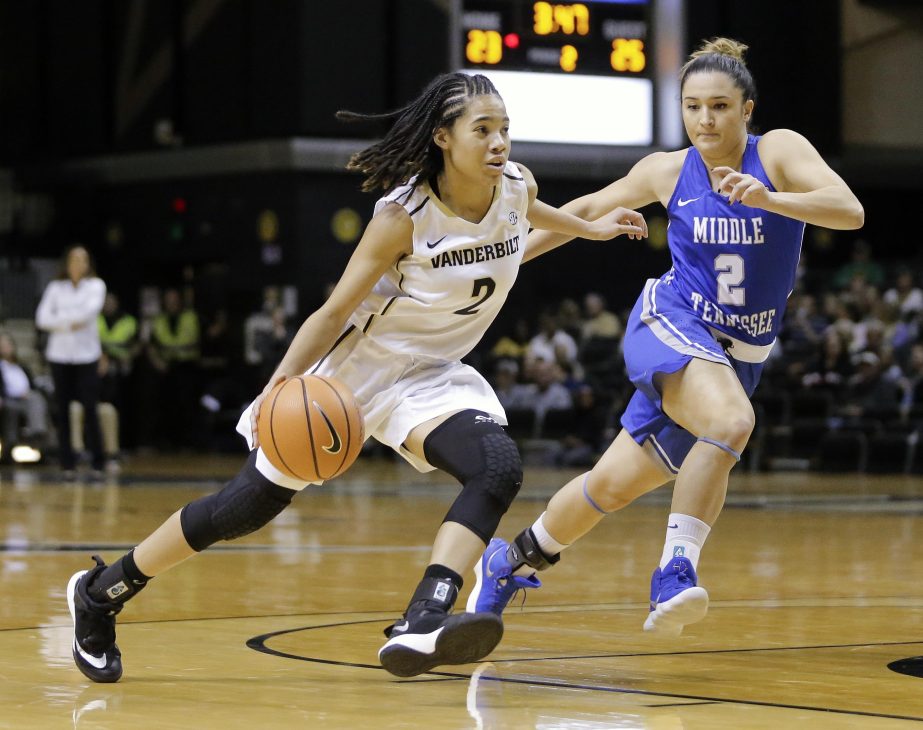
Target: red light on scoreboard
(511,40)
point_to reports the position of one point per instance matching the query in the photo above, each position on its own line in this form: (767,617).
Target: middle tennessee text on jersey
(733,265)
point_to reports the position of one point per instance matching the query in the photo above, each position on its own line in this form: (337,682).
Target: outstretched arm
(614,223)
(806,188)
(635,190)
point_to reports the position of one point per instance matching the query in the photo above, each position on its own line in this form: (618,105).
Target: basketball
(311,427)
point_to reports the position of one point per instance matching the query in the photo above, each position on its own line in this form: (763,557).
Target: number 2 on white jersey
(730,268)
(479,285)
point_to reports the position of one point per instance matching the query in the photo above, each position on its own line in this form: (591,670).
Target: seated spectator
(904,335)
(597,320)
(907,298)
(912,385)
(843,316)
(569,318)
(801,335)
(869,336)
(513,346)
(548,390)
(831,368)
(271,342)
(258,323)
(19,400)
(868,393)
(860,265)
(550,345)
(512,394)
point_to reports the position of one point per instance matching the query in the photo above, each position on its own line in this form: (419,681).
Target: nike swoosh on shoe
(487,570)
(98,662)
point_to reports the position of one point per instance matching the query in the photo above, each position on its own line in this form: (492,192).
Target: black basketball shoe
(95,651)
(428,635)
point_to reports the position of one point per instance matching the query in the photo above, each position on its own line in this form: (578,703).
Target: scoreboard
(569,72)
(599,38)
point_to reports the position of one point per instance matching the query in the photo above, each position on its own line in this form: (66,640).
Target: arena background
(193,142)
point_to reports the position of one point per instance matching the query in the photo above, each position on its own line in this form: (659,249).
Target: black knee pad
(474,448)
(244,505)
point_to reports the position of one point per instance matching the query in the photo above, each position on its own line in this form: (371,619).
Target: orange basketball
(311,427)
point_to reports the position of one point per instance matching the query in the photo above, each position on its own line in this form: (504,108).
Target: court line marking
(841,602)
(258,643)
(15,546)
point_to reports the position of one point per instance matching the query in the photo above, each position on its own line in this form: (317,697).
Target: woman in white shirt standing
(68,311)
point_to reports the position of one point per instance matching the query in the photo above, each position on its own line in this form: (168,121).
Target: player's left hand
(617,222)
(743,188)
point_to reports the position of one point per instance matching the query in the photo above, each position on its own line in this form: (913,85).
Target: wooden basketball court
(814,583)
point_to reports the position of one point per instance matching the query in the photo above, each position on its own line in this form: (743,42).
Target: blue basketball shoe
(495,584)
(676,598)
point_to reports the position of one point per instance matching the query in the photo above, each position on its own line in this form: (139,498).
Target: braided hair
(407,148)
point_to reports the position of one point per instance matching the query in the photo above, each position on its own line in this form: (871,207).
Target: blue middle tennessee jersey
(733,264)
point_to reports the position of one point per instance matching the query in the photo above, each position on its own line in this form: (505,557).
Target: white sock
(546,543)
(685,537)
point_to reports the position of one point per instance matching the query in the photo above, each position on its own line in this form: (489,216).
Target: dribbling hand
(255,407)
(617,222)
(742,188)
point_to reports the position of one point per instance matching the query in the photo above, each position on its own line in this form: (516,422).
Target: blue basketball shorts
(662,336)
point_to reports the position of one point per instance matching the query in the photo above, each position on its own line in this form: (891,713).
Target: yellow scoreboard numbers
(603,37)
(628,55)
(484,46)
(557,18)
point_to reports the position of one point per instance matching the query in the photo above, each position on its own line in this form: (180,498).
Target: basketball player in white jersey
(425,282)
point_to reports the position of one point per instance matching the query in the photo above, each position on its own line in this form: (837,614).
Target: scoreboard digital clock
(585,38)
(580,73)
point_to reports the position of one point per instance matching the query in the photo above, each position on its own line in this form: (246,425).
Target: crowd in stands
(168,380)
(842,388)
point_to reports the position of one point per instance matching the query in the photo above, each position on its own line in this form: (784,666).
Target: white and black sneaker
(95,651)
(428,635)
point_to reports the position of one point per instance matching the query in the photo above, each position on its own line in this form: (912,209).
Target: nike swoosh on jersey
(98,662)
(433,245)
(336,444)
(682,202)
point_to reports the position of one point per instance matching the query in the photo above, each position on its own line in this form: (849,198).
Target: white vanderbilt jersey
(439,301)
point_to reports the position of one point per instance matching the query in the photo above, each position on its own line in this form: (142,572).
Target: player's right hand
(255,407)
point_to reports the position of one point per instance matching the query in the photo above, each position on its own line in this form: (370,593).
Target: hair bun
(722,47)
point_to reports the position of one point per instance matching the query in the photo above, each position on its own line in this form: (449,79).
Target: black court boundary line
(597,608)
(50,547)
(258,643)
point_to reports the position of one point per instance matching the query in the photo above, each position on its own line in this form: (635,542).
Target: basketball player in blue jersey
(425,282)
(698,336)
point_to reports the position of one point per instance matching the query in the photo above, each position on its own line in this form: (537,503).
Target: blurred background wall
(196,139)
